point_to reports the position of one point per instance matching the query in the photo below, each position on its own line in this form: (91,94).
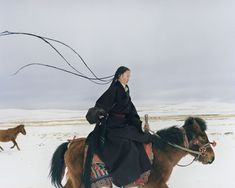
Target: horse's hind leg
(74,162)
(68,184)
(13,145)
(76,180)
(1,148)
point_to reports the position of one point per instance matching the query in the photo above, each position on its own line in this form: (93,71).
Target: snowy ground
(46,129)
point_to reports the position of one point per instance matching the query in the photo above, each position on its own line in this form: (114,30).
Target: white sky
(177,50)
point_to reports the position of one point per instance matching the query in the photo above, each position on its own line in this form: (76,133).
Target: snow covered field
(46,129)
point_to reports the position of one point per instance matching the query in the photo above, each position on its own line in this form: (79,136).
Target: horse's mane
(175,135)
(172,134)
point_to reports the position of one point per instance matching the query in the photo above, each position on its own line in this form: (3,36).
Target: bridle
(200,152)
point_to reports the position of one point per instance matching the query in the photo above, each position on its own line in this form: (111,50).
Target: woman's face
(124,78)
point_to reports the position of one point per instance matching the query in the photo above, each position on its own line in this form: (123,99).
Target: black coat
(123,152)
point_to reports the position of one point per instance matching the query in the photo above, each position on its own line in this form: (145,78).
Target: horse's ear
(191,127)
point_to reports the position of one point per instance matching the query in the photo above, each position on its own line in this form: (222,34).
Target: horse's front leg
(1,148)
(15,144)
(164,185)
(158,184)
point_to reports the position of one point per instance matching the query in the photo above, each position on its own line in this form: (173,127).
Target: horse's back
(78,143)
(4,136)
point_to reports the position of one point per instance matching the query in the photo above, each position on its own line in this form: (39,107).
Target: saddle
(100,177)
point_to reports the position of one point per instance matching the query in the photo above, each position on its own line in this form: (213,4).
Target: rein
(177,146)
(199,153)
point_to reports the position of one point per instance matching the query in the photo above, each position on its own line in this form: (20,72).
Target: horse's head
(21,129)
(195,129)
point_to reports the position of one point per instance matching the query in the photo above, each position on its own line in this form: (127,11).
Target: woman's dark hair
(118,73)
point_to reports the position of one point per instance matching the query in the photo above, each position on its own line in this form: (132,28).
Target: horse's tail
(58,165)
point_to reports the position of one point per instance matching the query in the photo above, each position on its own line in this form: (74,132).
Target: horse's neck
(165,161)
(15,130)
(175,155)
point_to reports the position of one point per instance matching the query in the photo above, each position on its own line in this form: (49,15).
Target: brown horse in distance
(71,155)
(10,135)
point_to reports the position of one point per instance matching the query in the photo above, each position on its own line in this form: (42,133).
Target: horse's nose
(212,160)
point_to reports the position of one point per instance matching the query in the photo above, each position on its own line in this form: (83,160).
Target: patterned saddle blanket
(100,176)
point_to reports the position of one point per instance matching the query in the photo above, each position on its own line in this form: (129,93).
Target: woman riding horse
(118,137)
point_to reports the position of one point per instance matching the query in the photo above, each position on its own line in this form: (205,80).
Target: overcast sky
(177,50)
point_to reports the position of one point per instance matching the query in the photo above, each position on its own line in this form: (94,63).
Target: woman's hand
(102,114)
